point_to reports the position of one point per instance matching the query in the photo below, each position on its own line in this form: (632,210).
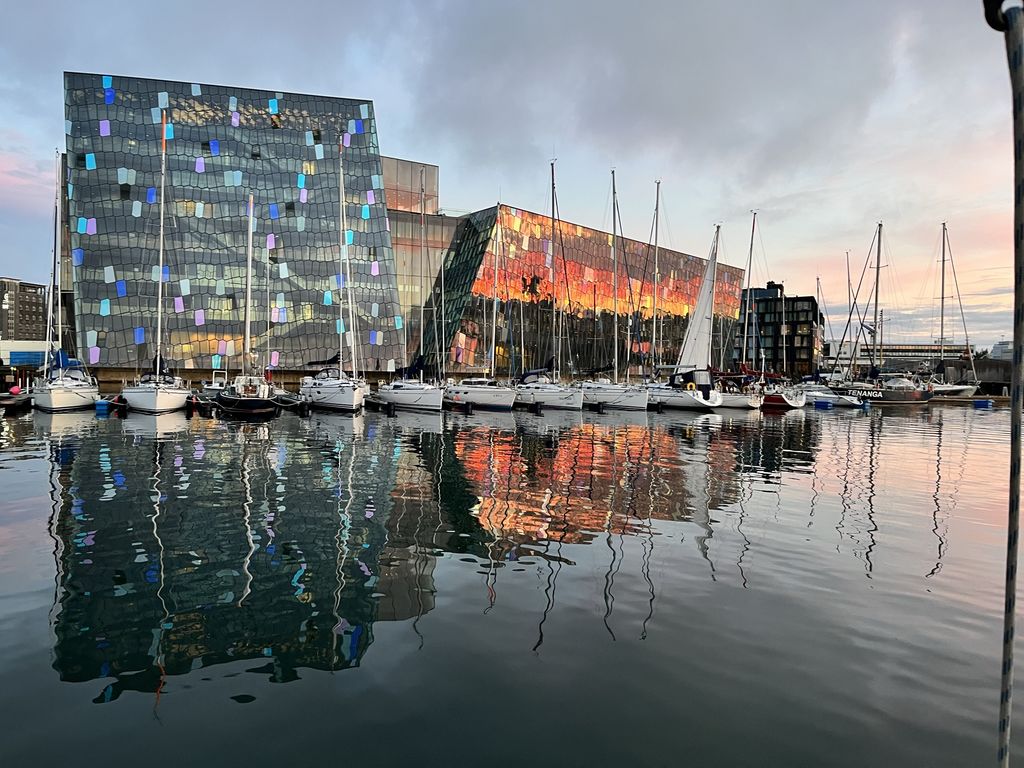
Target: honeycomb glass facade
(510,253)
(223,144)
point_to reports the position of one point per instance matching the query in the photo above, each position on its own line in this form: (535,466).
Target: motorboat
(15,401)
(548,394)
(410,394)
(480,392)
(216,385)
(620,397)
(332,390)
(940,389)
(249,395)
(690,398)
(65,389)
(156,393)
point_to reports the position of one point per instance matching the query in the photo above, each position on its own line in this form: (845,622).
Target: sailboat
(689,386)
(536,387)
(484,392)
(602,392)
(408,393)
(939,384)
(248,394)
(897,391)
(62,387)
(332,389)
(157,391)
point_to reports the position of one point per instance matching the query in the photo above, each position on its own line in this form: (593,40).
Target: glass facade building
(223,144)
(510,253)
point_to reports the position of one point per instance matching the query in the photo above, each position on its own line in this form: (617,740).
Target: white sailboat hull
(615,396)
(954,390)
(55,398)
(489,398)
(741,400)
(333,395)
(550,396)
(684,399)
(425,398)
(155,398)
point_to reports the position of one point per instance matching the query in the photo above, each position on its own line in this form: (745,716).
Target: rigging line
(849,316)
(565,275)
(960,303)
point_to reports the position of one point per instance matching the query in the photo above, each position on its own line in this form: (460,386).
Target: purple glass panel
(234,119)
(374,267)
(200,317)
(222,347)
(104,127)
(369,197)
(179,304)
(275,357)
(302,195)
(271,242)
(200,165)
(90,227)
(94,355)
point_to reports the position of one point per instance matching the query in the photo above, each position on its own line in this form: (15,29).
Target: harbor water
(799,589)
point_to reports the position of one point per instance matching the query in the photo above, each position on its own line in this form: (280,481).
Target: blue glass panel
(214,147)
(309,138)
(151,195)
(272,104)
(238,178)
(233,103)
(161,100)
(122,289)
(167,273)
(140,335)
(77,257)
(328,299)
(154,116)
(349,237)
(169,131)
(136,208)
(196,90)
(398,322)
(108,95)
(366,212)
(108,81)
(301,183)
(82,223)
(104,307)
(90,162)
(359,126)
(215,360)
(273,211)
(318,150)
(364,111)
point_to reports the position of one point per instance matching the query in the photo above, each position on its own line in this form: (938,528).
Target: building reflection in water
(182,544)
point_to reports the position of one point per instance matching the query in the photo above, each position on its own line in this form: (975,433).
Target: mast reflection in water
(732,557)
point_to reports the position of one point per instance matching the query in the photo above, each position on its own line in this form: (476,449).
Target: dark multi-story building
(785,334)
(22,310)
(223,145)
(510,253)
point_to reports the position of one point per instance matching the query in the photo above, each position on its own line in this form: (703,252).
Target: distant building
(1001,350)
(224,144)
(784,334)
(418,250)
(22,310)
(511,252)
(891,355)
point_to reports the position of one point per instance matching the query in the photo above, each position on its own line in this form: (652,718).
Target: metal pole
(494,317)
(423,264)
(247,344)
(1008,17)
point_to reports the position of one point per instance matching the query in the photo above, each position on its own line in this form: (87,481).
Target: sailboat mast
(554,287)
(783,368)
(878,274)
(714,280)
(615,287)
(942,301)
(494,317)
(247,342)
(657,277)
(423,260)
(51,289)
(160,254)
(750,263)
(342,273)
(352,331)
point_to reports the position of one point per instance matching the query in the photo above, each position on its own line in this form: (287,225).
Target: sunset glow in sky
(825,117)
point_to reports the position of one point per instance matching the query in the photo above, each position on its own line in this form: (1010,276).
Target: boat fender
(691,386)
(931,387)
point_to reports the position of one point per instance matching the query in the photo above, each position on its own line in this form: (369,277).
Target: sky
(824,117)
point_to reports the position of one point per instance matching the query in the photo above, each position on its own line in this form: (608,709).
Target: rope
(1008,17)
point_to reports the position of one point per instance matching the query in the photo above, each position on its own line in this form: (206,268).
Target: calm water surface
(807,589)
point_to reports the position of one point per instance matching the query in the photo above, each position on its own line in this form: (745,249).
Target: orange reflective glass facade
(509,253)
